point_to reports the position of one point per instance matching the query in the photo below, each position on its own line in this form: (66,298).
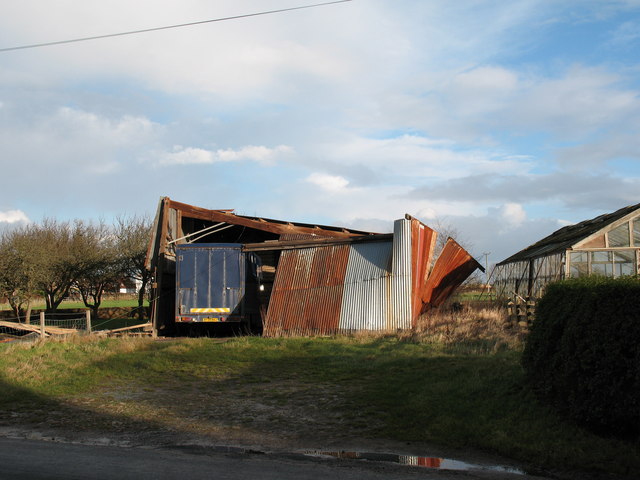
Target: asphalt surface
(23,459)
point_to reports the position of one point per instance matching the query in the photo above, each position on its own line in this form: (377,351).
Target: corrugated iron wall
(374,285)
(401,271)
(367,288)
(307,292)
(359,286)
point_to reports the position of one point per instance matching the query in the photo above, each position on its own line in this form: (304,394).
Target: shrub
(583,352)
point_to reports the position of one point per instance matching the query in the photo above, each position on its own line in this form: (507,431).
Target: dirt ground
(277,417)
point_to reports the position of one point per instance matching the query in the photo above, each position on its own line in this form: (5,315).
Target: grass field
(466,394)
(106,303)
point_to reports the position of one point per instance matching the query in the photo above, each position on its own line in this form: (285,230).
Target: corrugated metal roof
(265,224)
(568,236)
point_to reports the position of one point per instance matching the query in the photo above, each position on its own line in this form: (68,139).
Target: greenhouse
(606,245)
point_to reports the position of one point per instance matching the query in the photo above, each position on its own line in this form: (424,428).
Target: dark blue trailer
(216,282)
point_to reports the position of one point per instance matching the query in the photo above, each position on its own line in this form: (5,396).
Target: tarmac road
(22,459)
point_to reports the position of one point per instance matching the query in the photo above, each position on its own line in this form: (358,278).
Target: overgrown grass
(420,388)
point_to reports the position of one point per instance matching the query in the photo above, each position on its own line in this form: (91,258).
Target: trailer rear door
(210,282)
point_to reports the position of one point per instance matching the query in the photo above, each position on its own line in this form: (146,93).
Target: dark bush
(583,352)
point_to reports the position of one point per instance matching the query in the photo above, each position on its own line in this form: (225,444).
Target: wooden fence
(521,312)
(42,325)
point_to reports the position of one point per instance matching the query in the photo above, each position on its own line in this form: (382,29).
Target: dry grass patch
(468,325)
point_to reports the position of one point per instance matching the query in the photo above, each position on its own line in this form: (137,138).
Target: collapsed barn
(286,278)
(607,245)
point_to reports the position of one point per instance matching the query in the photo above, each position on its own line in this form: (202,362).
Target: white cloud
(259,154)
(195,156)
(121,131)
(14,216)
(625,34)
(573,189)
(187,156)
(72,139)
(483,105)
(361,103)
(415,156)
(331,183)
(513,214)
(577,104)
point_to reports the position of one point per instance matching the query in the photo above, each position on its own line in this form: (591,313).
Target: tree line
(54,259)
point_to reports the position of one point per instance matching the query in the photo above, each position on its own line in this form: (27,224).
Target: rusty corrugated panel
(307,292)
(452,267)
(367,299)
(285,237)
(423,241)
(309,241)
(264,224)
(401,273)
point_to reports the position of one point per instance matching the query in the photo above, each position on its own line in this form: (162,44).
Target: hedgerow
(583,352)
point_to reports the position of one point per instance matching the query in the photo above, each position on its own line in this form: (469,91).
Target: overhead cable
(146,30)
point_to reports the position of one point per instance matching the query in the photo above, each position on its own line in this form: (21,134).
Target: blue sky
(501,121)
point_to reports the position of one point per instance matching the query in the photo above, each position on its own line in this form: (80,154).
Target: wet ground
(101,459)
(438,463)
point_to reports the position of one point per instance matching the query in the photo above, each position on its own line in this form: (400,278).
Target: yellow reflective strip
(210,310)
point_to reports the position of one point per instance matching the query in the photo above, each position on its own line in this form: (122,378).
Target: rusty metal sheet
(452,267)
(423,242)
(265,224)
(307,292)
(292,242)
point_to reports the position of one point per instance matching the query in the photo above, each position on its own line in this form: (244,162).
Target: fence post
(511,311)
(88,314)
(42,324)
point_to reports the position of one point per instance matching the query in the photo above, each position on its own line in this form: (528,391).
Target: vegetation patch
(301,391)
(582,355)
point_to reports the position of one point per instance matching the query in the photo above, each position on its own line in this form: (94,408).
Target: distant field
(108,303)
(473,295)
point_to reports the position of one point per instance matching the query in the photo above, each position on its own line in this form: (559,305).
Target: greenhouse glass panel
(625,262)
(602,263)
(636,232)
(579,264)
(619,236)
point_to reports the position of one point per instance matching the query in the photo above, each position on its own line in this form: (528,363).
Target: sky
(496,121)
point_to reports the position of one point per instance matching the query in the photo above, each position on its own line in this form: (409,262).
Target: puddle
(426,462)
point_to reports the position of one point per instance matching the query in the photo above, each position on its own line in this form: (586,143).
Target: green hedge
(583,352)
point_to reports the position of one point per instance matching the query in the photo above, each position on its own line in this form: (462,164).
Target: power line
(146,30)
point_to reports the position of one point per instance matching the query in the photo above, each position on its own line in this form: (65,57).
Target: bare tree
(445,230)
(16,284)
(99,265)
(132,240)
(51,257)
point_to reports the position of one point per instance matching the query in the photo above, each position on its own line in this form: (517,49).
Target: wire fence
(44,324)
